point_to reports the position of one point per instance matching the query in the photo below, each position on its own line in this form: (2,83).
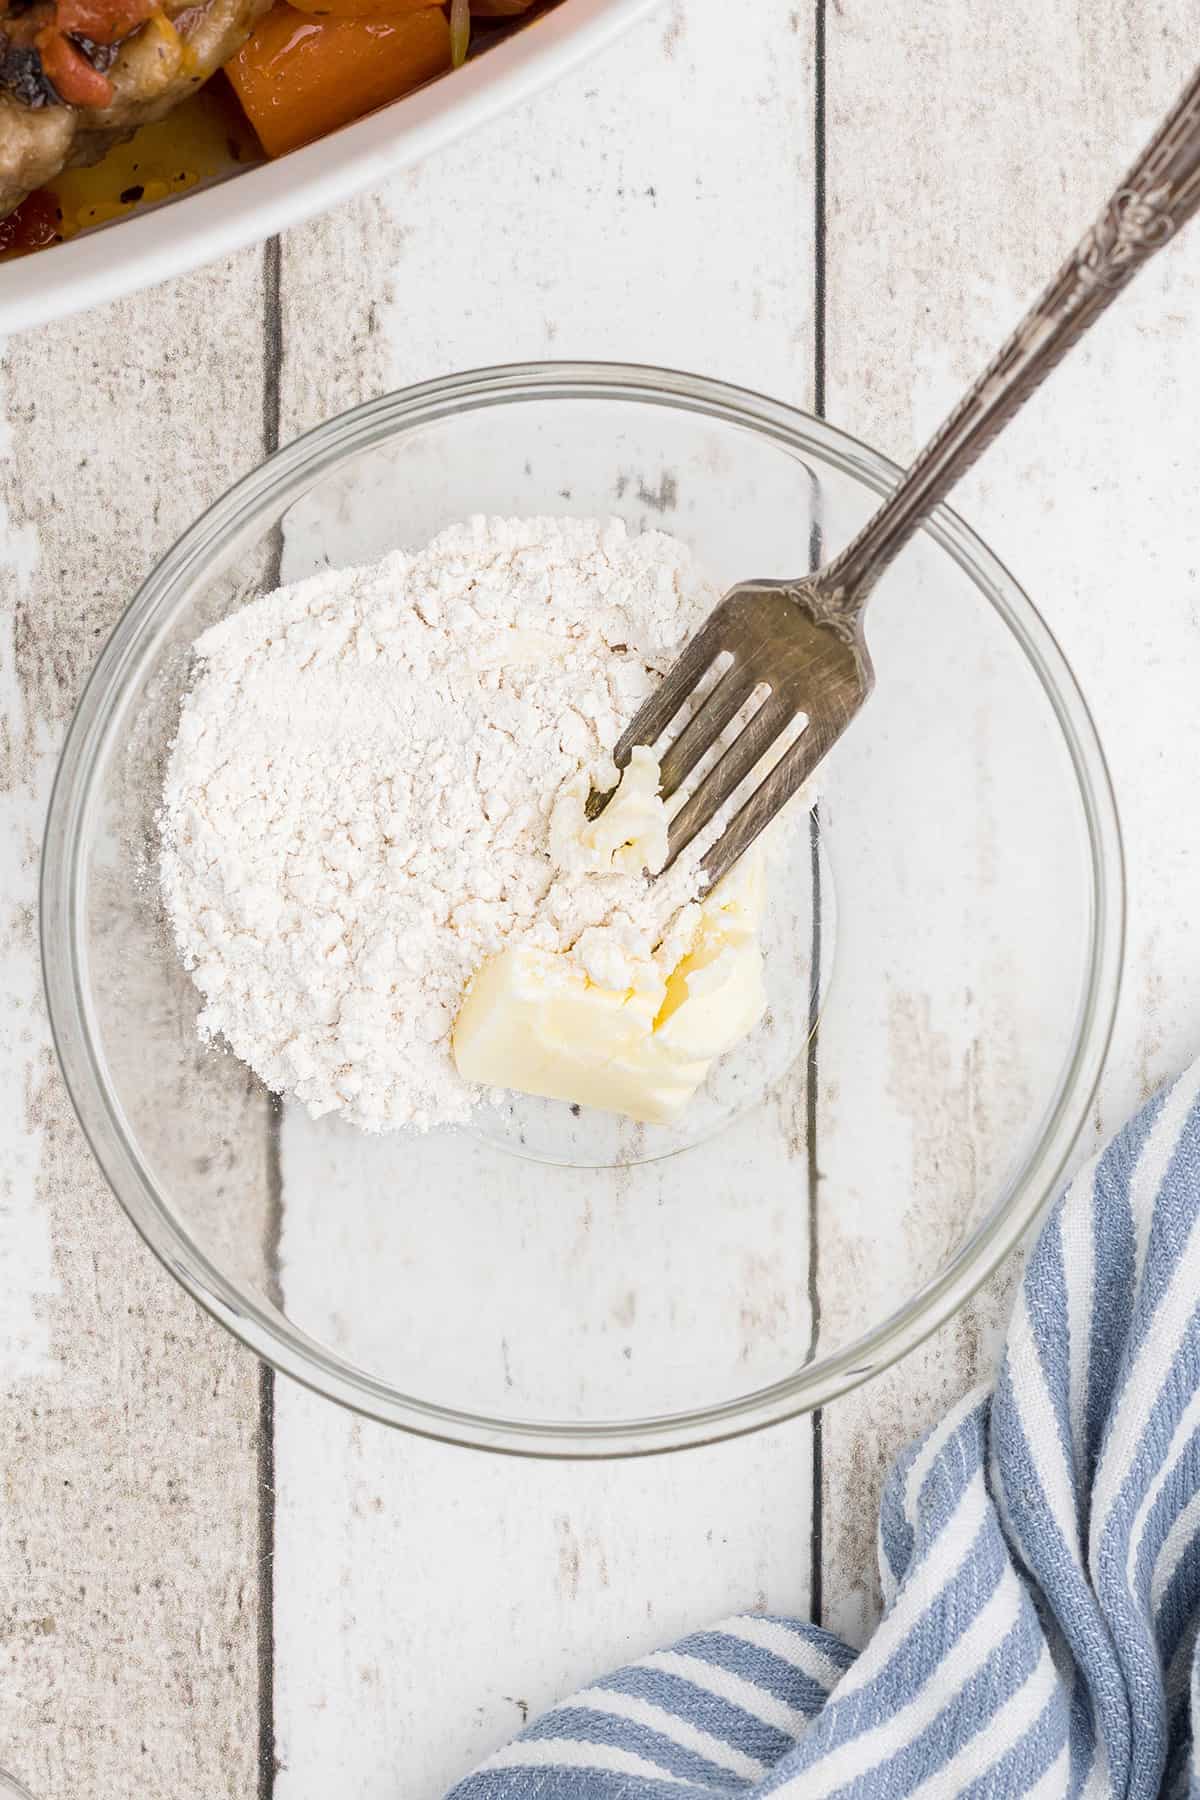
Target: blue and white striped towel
(1040,1556)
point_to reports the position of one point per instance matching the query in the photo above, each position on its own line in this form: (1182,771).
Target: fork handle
(1159,194)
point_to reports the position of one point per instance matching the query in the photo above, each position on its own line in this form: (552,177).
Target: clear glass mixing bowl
(967,833)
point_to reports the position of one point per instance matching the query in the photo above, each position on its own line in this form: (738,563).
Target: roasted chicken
(79,75)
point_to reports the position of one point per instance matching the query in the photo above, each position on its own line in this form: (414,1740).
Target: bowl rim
(10,1786)
(277,481)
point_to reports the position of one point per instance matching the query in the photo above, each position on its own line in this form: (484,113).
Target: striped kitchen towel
(1039,1553)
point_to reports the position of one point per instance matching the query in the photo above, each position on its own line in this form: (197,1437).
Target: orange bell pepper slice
(360,9)
(299,75)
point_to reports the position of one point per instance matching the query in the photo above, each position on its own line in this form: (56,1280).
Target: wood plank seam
(267,1757)
(816,557)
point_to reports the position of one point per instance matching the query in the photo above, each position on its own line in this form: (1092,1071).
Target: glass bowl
(966,831)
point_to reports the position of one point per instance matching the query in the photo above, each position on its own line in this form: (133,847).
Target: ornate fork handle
(1160,193)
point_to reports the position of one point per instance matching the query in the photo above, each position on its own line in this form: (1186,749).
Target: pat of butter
(532,1019)
(630,835)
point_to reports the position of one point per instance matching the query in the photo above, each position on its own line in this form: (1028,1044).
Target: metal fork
(803,640)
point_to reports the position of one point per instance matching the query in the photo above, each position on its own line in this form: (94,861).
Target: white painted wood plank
(656,207)
(430,1599)
(128,1529)
(962,163)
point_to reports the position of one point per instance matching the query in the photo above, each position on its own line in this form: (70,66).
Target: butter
(715,993)
(535,1020)
(629,836)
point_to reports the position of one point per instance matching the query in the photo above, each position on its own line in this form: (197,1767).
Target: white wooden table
(212,1584)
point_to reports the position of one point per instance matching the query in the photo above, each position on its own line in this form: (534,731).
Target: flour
(359,805)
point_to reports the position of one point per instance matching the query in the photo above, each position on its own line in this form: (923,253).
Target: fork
(803,640)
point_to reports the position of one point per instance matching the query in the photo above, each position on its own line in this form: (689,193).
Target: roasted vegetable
(299,75)
(30,226)
(69,71)
(361,9)
(102,21)
(460,31)
(460,21)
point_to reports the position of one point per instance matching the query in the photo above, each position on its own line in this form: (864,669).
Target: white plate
(253,205)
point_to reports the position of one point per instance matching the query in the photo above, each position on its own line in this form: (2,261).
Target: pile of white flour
(357,806)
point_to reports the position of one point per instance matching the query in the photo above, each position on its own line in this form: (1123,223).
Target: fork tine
(727,775)
(773,792)
(705,727)
(656,713)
